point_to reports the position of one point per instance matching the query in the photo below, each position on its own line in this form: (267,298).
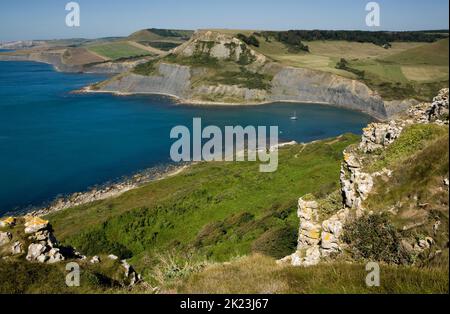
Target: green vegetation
(154,34)
(243,78)
(117,50)
(374,238)
(197,60)
(147,68)
(412,140)
(291,39)
(23,277)
(233,202)
(258,274)
(415,194)
(419,72)
(343,65)
(377,38)
(162,45)
(249,40)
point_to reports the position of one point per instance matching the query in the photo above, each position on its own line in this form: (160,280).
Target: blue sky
(45,19)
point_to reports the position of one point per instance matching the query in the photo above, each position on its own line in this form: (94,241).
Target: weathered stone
(5,238)
(95,260)
(7,222)
(34,251)
(34,224)
(113,257)
(55,256)
(17,248)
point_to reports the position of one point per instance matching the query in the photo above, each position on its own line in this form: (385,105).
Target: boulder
(5,238)
(55,256)
(17,248)
(7,222)
(34,224)
(34,251)
(95,260)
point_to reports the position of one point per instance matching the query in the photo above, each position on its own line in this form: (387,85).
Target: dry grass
(261,275)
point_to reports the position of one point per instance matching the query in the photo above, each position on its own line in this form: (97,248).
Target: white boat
(294,117)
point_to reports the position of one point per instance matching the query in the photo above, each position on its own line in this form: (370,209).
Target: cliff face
(421,221)
(305,85)
(56,59)
(191,82)
(172,80)
(286,83)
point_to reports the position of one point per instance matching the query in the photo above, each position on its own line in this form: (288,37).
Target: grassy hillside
(162,39)
(418,72)
(259,274)
(214,210)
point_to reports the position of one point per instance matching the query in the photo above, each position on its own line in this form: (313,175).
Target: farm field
(117,50)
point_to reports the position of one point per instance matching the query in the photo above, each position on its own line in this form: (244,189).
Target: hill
(387,201)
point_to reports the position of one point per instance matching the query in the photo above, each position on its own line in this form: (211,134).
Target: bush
(276,243)
(250,40)
(95,242)
(374,238)
(147,68)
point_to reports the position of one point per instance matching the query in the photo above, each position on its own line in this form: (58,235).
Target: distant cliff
(190,81)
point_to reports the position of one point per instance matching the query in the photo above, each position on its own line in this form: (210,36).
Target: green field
(117,50)
(216,210)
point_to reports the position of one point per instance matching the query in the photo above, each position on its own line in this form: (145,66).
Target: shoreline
(194,102)
(116,188)
(111,189)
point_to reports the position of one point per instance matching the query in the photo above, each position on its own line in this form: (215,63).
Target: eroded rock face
(34,224)
(5,238)
(7,222)
(379,135)
(316,240)
(436,112)
(319,239)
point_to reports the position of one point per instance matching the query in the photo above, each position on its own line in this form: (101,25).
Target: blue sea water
(54,142)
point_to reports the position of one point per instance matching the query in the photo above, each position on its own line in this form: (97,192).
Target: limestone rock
(55,256)
(95,260)
(17,248)
(34,251)
(34,224)
(5,238)
(7,222)
(379,135)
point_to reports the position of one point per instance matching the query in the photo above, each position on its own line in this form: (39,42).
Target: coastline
(103,191)
(185,101)
(195,102)
(117,188)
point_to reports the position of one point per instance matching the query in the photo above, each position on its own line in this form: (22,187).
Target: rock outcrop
(31,238)
(304,85)
(288,83)
(172,80)
(322,238)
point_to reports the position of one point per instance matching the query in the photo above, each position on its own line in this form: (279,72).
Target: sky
(45,19)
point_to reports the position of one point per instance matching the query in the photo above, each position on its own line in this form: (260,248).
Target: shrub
(95,242)
(374,238)
(276,243)
(147,68)
(250,40)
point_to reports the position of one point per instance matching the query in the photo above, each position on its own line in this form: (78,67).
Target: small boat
(294,117)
